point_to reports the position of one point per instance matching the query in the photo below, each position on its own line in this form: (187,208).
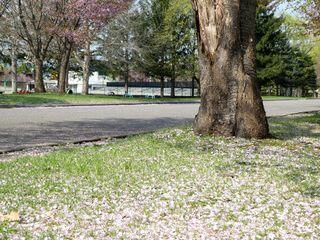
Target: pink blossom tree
(84,19)
(70,22)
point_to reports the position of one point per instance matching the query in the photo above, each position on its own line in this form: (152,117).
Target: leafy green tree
(304,39)
(156,38)
(180,36)
(309,10)
(153,51)
(166,39)
(300,74)
(118,47)
(272,48)
(282,57)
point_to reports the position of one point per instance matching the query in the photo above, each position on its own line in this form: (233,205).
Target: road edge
(104,138)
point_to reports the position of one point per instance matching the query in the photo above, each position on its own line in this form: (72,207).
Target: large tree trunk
(86,70)
(64,69)
(14,72)
(38,78)
(231,104)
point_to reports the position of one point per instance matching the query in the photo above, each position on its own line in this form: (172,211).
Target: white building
(95,81)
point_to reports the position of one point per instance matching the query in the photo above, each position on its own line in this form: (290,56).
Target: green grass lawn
(171,184)
(35,99)
(279,98)
(38,99)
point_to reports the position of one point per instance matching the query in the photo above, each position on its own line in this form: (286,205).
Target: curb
(91,105)
(66,143)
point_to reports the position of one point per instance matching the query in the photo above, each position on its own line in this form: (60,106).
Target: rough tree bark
(64,68)
(86,66)
(231,104)
(38,78)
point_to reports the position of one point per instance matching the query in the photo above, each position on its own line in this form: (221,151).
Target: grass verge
(281,98)
(171,185)
(56,99)
(48,98)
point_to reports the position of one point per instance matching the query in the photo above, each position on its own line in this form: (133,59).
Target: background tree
(34,26)
(272,48)
(300,74)
(119,48)
(166,41)
(153,53)
(180,37)
(309,11)
(64,41)
(10,38)
(302,38)
(92,16)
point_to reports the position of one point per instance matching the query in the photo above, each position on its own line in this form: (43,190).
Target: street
(30,127)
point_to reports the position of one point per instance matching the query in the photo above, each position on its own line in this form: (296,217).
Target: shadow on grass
(306,172)
(286,128)
(306,179)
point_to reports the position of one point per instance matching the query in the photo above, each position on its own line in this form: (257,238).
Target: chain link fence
(182,89)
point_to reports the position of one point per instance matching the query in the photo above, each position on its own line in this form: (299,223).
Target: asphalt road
(30,127)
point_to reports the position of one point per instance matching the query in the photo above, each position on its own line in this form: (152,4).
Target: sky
(285,8)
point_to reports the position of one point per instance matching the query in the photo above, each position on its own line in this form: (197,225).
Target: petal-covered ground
(171,185)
